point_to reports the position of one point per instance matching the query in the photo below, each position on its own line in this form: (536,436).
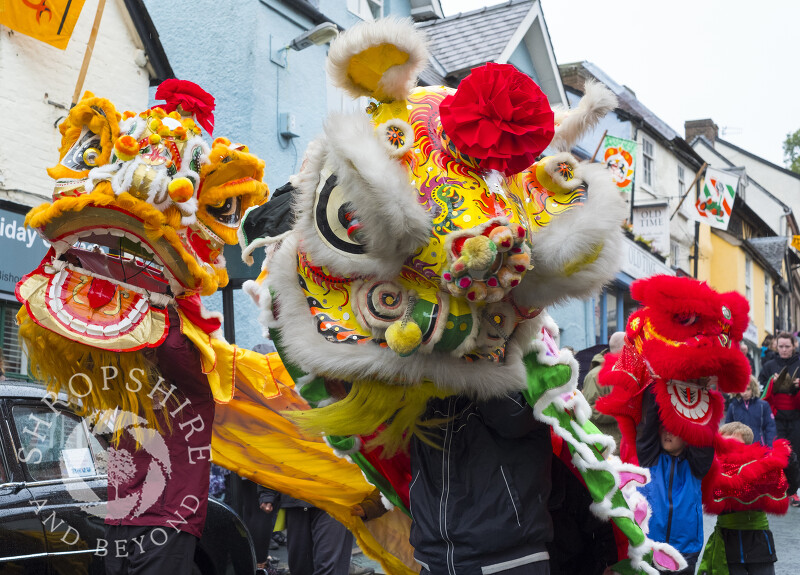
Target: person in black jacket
(479,495)
(782,395)
(317,544)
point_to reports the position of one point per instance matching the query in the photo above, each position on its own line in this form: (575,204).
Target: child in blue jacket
(754,412)
(674,493)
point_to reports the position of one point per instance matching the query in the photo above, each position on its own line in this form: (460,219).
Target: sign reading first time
(21,248)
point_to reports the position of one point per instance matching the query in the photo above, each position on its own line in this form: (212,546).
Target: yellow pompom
(155,139)
(221,141)
(478,253)
(404,339)
(126,148)
(180,189)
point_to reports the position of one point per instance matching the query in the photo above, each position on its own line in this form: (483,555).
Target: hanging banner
(51,21)
(620,158)
(796,242)
(715,201)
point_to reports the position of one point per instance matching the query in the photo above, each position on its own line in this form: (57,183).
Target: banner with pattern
(715,201)
(619,156)
(51,21)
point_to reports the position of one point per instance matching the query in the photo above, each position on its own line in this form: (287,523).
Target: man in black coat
(479,496)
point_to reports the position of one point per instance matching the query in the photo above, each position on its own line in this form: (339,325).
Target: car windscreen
(56,445)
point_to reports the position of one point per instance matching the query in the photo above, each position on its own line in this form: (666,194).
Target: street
(784,528)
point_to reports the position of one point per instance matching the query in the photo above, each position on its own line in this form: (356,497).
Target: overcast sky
(730,60)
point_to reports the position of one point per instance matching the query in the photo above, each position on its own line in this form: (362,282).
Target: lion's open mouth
(112,244)
(116,255)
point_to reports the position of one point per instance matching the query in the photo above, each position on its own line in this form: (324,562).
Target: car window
(53,445)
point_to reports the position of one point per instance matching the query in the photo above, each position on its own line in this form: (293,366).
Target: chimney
(705,127)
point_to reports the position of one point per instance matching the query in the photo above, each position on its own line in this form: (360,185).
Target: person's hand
(266,507)
(358,511)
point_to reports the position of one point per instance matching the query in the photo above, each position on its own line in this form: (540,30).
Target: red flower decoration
(499,116)
(191,97)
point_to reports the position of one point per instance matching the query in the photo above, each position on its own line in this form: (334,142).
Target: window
(12,358)
(648,160)
(674,254)
(748,280)
(681,181)
(55,445)
(366,9)
(767,303)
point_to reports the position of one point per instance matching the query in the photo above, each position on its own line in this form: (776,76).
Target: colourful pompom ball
(404,339)
(180,189)
(126,148)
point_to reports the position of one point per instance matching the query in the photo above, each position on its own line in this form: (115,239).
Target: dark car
(53,492)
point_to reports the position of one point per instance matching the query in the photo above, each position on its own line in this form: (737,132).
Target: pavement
(785,529)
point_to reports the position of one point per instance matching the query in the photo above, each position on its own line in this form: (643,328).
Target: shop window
(12,357)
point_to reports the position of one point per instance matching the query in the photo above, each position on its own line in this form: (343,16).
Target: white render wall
(762,204)
(664,188)
(783,186)
(32,72)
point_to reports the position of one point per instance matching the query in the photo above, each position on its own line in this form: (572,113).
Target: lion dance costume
(428,238)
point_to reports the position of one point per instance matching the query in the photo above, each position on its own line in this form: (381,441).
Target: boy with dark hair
(674,491)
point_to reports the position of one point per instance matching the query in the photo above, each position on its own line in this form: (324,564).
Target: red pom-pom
(191,97)
(499,116)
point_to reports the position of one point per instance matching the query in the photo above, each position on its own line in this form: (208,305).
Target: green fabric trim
(600,483)
(294,371)
(379,481)
(744,520)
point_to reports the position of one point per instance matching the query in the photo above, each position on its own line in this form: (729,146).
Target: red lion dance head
(684,342)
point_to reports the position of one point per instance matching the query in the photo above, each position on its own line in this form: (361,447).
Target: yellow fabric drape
(253,439)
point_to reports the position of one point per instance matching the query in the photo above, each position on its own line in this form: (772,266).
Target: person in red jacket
(780,379)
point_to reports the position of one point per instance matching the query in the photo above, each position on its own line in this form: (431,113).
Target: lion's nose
(487,264)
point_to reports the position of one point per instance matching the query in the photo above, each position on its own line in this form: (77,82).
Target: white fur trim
(379,189)
(572,236)
(388,505)
(398,81)
(247,253)
(313,353)
(597,101)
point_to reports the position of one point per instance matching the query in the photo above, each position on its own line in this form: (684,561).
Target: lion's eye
(228,213)
(686,319)
(334,218)
(85,153)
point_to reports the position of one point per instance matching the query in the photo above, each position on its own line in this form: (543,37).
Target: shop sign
(638,263)
(652,223)
(22,249)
